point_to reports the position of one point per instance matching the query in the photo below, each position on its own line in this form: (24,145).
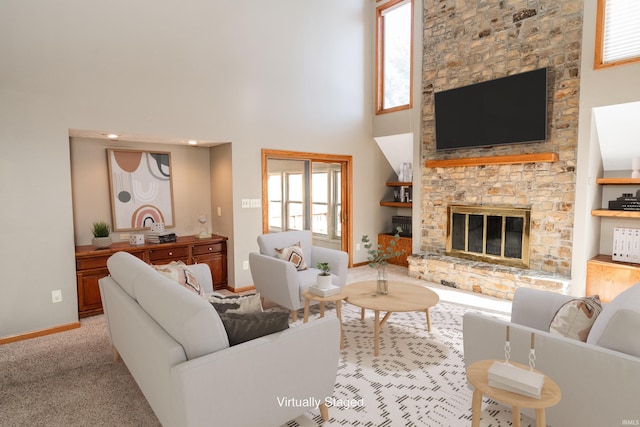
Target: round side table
(337,298)
(478,376)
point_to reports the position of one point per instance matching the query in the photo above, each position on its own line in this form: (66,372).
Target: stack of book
(404,222)
(627,202)
(324,292)
(161,237)
(626,245)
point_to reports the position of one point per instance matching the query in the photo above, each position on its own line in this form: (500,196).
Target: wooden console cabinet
(91,264)
(607,278)
(404,244)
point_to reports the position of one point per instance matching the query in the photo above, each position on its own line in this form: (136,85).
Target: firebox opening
(488,233)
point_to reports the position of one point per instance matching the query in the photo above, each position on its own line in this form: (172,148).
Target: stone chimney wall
(469,41)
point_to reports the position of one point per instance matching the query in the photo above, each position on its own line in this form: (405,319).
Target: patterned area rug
(417,380)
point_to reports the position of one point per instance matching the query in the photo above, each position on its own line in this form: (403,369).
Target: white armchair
(279,281)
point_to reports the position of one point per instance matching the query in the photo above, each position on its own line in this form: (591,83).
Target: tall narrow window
(394,35)
(617,33)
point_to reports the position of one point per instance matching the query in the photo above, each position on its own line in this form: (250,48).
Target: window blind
(621,30)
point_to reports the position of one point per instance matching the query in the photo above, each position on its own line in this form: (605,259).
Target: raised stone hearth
(481,277)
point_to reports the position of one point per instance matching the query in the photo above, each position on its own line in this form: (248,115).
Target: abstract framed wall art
(141,189)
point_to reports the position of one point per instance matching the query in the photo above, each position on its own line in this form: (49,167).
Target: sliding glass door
(306,191)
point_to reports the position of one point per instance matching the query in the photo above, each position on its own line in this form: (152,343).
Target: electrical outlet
(245,265)
(124,236)
(357,246)
(56,296)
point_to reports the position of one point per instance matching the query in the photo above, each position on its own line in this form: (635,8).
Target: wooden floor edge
(238,290)
(40,333)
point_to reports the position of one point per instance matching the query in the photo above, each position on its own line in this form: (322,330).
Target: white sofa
(176,348)
(600,385)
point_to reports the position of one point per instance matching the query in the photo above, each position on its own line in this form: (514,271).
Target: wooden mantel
(494,160)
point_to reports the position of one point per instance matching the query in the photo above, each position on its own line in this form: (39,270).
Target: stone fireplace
(467,42)
(537,193)
(493,234)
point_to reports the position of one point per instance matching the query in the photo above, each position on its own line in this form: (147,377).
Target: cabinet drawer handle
(170,253)
(210,248)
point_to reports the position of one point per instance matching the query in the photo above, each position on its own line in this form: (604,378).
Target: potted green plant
(379,258)
(324,277)
(101,238)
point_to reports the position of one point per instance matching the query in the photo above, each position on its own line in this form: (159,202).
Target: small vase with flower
(379,258)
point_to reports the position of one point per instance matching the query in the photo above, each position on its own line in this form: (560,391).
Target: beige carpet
(69,379)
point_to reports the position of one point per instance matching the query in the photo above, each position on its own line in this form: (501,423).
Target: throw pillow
(245,327)
(621,333)
(575,318)
(628,298)
(294,255)
(179,272)
(236,304)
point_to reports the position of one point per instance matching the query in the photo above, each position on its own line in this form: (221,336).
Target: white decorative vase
(324,281)
(101,242)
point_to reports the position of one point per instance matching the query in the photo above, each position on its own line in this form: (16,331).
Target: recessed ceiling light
(112,136)
(192,142)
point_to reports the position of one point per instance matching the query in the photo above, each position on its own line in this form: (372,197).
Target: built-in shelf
(616,214)
(605,277)
(618,181)
(494,160)
(396,204)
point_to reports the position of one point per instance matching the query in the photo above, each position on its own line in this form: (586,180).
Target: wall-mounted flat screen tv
(507,110)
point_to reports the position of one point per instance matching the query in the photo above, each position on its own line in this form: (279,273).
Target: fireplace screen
(491,234)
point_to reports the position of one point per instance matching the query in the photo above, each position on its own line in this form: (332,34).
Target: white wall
(608,86)
(283,74)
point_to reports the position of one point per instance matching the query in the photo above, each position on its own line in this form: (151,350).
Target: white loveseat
(600,386)
(176,348)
